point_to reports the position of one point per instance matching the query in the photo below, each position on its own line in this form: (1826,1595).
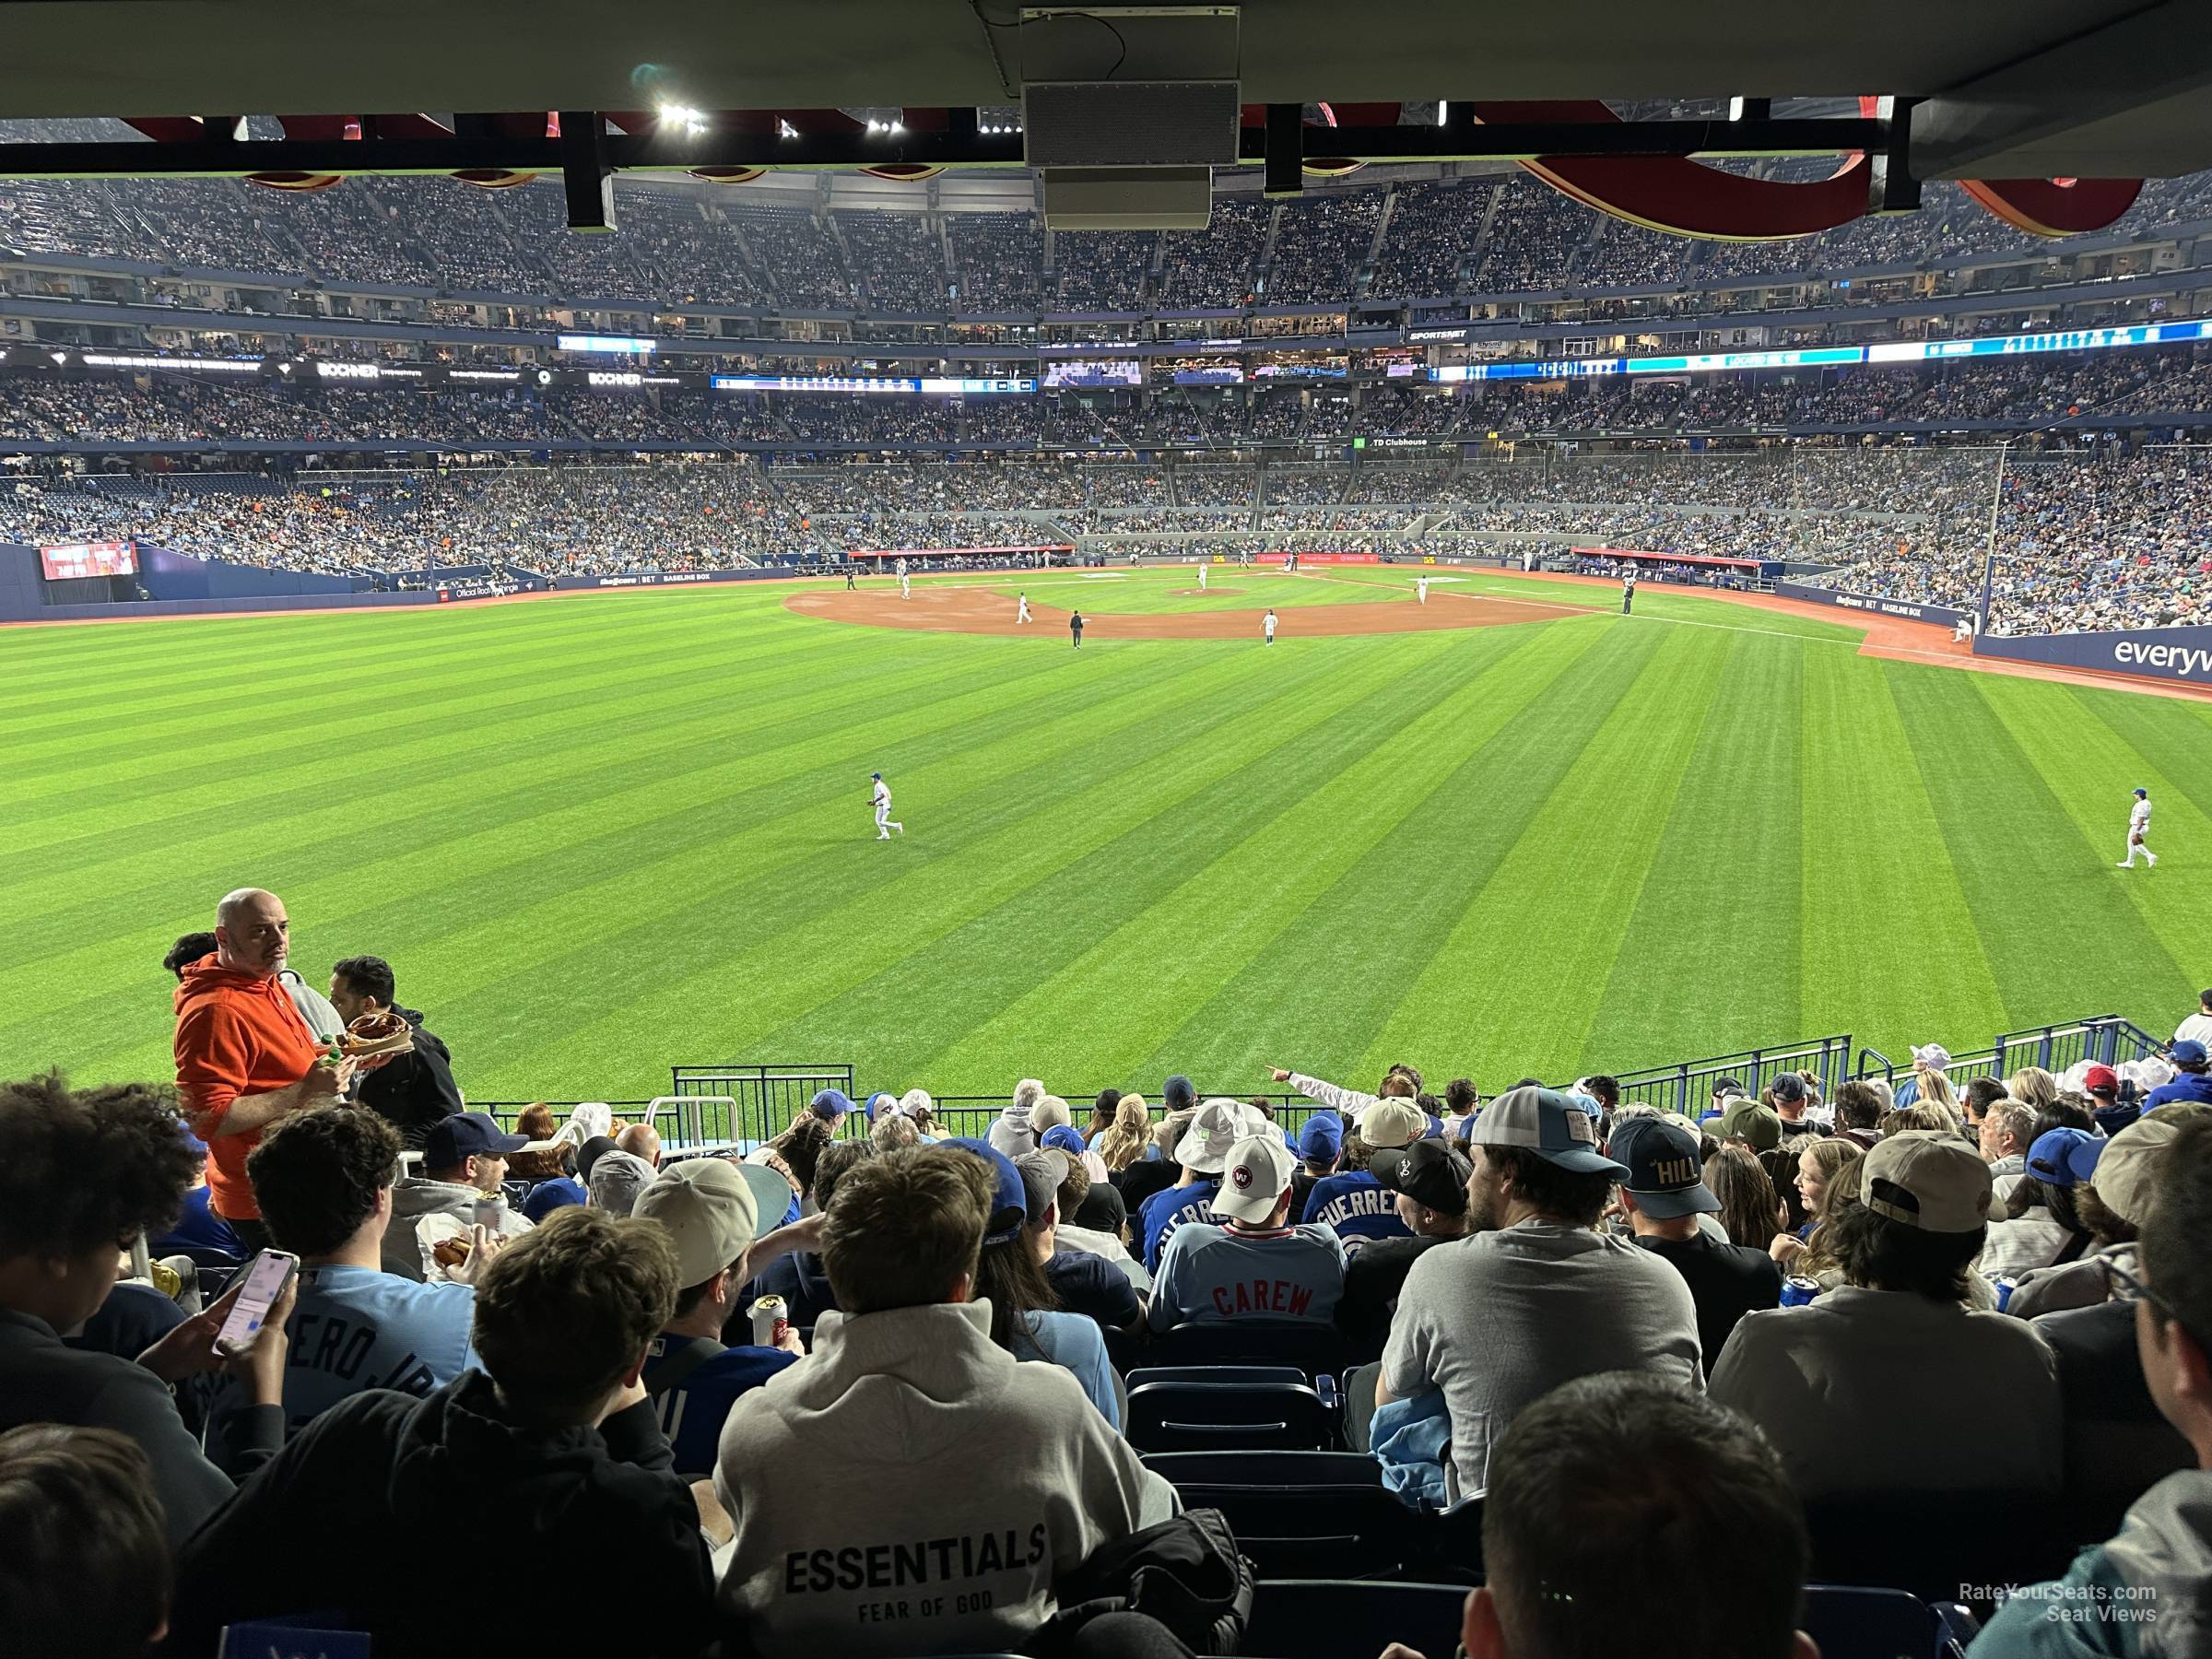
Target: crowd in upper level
(1505,233)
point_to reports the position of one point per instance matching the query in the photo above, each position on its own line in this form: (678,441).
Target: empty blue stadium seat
(1196,1417)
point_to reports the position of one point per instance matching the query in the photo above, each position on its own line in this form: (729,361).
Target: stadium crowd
(2097,537)
(1506,233)
(769,1370)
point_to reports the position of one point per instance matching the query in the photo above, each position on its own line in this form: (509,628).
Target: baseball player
(1202,575)
(1075,627)
(1627,589)
(2138,828)
(881,795)
(1267,627)
(1420,588)
(1023,614)
(1249,1263)
(905,591)
(851,586)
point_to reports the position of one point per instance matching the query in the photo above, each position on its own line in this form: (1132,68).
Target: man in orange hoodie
(244,1056)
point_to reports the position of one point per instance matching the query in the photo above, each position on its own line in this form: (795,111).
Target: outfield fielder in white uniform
(1023,614)
(1421,586)
(1268,625)
(881,795)
(2139,832)
(1202,575)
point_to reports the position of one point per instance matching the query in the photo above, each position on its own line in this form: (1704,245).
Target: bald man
(641,1140)
(244,1056)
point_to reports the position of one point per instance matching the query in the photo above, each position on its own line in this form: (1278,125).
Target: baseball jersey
(1356,1207)
(2138,818)
(883,795)
(1269,623)
(1169,1209)
(693,1411)
(1209,1274)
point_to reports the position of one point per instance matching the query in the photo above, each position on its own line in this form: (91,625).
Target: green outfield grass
(599,835)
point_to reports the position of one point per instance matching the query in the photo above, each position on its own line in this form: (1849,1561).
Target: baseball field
(597,835)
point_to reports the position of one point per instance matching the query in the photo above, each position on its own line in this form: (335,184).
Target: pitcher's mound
(1203,593)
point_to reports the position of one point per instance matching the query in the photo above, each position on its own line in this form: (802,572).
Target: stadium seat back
(1216,1374)
(1859,1621)
(1191,1416)
(1933,1543)
(1335,1618)
(1314,1347)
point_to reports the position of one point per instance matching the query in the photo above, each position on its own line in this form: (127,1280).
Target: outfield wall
(2168,653)
(1940,615)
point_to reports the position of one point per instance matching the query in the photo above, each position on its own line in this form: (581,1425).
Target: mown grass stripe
(1722,904)
(1377,927)
(1553,912)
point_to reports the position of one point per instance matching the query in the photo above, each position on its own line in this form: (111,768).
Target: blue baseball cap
(878,1101)
(1547,1122)
(1320,1137)
(2143,791)
(1064,1137)
(2187,1052)
(1583,1103)
(874,774)
(1664,1172)
(466,1134)
(831,1103)
(2064,1158)
(1010,1196)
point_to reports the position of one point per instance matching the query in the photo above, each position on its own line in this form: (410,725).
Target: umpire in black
(413,1092)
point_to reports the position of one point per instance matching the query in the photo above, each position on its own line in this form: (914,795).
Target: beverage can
(2005,1289)
(1797,1292)
(490,1213)
(770,1321)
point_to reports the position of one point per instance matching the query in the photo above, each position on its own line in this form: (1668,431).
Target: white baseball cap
(1215,1130)
(1255,1177)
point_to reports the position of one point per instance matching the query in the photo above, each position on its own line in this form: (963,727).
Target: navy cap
(874,774)
(467,1134)
(1320,1137)
(1787,1086)
(2187,1052)
(2143,791)
(1177,1093)
(1664,1171)
(1010,1195)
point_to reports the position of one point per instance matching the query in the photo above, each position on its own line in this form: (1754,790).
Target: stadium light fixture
(682,118)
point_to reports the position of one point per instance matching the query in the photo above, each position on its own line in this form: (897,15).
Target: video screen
(73,560)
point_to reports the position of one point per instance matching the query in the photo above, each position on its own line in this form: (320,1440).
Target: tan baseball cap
(1391,1121)
(2127,1176)
(1926,1179)
(707,1208)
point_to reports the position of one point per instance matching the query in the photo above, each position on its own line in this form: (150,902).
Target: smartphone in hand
(265,1279)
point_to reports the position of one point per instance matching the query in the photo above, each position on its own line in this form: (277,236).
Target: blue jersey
(198,1227)
(1211,1273)
(1168,1209)
(693,1412)
(357,1328)
(1075,1344)
(1357,1208)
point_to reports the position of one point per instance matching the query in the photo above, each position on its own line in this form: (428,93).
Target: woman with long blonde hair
(1123,1141)
(2033,1086)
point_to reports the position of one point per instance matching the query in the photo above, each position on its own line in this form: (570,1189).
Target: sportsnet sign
(2171,653)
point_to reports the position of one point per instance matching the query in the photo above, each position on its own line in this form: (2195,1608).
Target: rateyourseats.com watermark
(2076,1604)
